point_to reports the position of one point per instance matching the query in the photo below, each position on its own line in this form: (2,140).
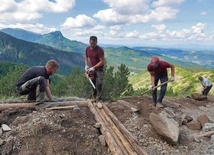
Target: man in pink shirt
(95,55)
(158,71)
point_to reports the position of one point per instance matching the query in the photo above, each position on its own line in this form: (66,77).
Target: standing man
(95,55)
(158,71)
(207,85)
(34,82)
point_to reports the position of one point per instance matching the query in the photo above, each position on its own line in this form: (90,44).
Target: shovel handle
(156,87)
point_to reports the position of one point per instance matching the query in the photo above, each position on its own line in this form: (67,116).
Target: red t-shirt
(161,70)
(94,55)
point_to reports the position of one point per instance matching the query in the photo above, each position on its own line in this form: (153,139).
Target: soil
(36,131)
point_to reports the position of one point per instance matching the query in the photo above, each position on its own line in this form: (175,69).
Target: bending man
(158,71)
(34,82)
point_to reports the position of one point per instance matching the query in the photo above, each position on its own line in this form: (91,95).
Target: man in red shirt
(95,55)
(158,71)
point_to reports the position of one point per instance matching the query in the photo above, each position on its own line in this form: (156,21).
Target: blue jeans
(162,91)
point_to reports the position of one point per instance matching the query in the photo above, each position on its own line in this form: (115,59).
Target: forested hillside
(33,54)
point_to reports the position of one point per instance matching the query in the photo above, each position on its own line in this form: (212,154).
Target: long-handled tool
(91,83)
(156,87)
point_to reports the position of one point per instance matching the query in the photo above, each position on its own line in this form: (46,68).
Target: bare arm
(99,64)
(172,70)
(86,60)
(152,78)
(48,91)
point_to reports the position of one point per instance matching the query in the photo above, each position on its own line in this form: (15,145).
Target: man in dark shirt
(95,55)
(158,71)
(34,82)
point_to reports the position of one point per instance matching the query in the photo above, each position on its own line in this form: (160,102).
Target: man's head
(200,78)
(93,41)
(155,62)
(51,67)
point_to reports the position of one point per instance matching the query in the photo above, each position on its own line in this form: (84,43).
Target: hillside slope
(186,81)
(31,54)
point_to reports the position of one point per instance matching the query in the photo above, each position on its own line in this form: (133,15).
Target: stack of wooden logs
(117,137)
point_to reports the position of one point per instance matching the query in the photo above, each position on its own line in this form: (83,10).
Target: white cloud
(166,2)
(28,10)
(203,13)
(133,34)
(78,22)
(37,28)
(138,11)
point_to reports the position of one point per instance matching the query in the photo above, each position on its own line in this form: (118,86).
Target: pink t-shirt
(94,55)
(161,70)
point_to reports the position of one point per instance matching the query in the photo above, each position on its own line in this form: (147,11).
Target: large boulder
(166,127)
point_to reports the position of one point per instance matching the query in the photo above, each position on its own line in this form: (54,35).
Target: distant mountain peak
(56,33)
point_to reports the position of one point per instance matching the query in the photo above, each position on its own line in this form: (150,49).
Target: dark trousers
(162,91)
(98,82)
(32,88)
(206,91)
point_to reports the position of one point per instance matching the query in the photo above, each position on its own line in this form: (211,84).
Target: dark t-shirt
(94,55)
(161,70)
(31,73)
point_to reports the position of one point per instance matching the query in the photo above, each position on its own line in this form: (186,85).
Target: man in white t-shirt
(207,85)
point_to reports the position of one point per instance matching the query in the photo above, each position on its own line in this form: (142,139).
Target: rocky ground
(36,131)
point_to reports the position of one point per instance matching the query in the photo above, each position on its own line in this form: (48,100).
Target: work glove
(91,69)
(172,79)
(86,68)
(151,88)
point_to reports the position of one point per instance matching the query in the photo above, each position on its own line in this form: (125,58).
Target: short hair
(93,38)
(52,64)
(200,78)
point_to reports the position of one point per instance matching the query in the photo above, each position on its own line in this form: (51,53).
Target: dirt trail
(72,132)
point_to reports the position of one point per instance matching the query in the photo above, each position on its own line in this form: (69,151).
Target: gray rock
(102,140)
(1,142)
(167,128)
(208,127)
(5,128)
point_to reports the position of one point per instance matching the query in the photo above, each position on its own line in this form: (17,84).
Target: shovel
(156,87)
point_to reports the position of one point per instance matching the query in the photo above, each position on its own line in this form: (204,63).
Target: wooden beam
(61,107)
(119,135)
(126,133)
(113,146)
(16,106)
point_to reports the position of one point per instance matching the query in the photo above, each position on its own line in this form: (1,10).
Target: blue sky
(123,22)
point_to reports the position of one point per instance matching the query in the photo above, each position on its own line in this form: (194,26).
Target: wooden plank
(61,107)
(126,133)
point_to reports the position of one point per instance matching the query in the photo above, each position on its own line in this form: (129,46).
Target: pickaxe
(156,87)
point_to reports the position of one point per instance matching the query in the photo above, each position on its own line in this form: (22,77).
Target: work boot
(159,105)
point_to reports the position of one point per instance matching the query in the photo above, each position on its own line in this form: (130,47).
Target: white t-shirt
(205,82)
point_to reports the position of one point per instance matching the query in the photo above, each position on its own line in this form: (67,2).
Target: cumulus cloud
(37,28)
(78,22)
(28,10)
(138,11)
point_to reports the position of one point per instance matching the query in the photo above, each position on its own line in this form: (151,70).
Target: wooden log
(126,133)
(119,135)
(17,106)
(61,107)
(67,103)
(115,149)
(110,129)
(208,133)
